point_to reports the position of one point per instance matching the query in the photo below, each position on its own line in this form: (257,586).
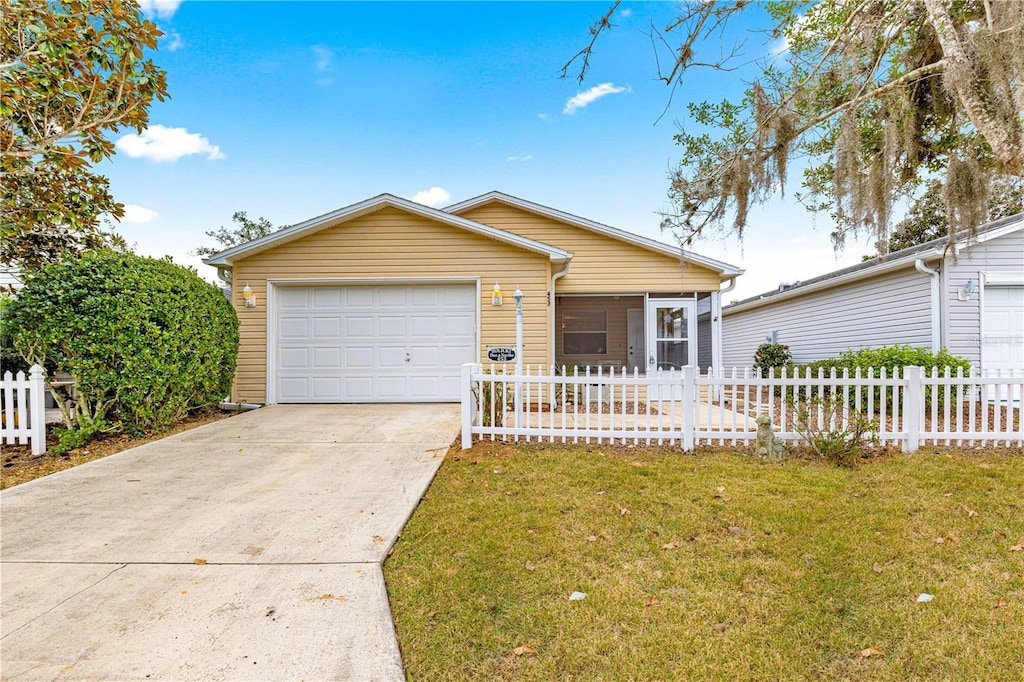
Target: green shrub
(145,340)
(819,419)
(772,355)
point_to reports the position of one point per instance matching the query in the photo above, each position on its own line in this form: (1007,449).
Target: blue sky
(288,110)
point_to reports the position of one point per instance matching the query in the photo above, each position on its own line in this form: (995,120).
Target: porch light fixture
(496,294)
(965,291)
(250,298)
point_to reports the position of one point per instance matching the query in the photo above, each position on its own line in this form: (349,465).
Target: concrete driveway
(250,549)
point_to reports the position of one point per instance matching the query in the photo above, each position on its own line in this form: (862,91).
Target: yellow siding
(388,244)
(600,264)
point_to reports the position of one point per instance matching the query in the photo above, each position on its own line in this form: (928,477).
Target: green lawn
(712,567)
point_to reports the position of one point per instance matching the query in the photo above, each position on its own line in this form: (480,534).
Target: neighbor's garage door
(1003,341)
(384,343)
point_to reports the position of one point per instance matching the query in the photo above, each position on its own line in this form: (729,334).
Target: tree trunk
(962,74)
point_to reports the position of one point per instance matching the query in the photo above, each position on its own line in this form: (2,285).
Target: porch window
(585,332)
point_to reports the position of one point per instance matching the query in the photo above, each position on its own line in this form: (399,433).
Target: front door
(637,349)
(671,333)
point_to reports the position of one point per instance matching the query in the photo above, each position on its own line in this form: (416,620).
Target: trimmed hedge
(145,340)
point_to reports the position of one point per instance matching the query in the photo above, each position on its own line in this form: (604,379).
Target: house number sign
(501,353)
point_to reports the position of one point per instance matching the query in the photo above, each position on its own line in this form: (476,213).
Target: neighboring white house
(971,303)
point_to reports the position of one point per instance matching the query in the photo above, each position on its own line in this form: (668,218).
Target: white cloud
(625,14)
(435,196)
(134,213)
(519,158)
(324,57)
(159,143)
(164,9)
(595,93)
(542,117)
(172,41)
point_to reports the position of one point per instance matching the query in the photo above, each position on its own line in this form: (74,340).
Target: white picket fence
(23,419)
(683,407)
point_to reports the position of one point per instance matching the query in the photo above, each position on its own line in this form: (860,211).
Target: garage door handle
(407,357)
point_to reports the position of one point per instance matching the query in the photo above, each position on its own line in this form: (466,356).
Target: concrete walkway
(247,549)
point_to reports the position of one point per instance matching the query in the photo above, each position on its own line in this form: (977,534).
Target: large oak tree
(873,98)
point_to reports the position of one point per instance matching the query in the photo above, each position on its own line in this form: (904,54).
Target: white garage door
(1002,345)
(387,343)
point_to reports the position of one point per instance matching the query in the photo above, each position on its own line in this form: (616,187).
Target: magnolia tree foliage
(71,71)
(871,97)
(145,340)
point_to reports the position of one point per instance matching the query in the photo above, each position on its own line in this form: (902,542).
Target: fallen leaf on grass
(623,512)
(940,541)
(1000,603)
(1017,548)
(871,651)
(524,650)
(600,492)
(530,567)
(670,545)
(876,568)
(948,495)
(199,562)
(653,600)
(735,530)
(719,627)
(591,538)
(971,512)
(431,614)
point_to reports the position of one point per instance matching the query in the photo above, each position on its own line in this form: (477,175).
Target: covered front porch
(638,331)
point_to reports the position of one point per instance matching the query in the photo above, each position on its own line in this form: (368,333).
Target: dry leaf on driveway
(523,650)
(199,562)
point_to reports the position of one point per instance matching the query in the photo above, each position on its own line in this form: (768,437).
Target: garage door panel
(367,343)
(457,326)
(292,298)
(357,357)
(358,326)
(295,358)
(327,327)
(391,326)
(392,297)
(1003,322)
(294,327)
(327,297)
(424,326)
(327,358)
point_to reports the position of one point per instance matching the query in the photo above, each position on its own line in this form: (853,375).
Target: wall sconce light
(250,298)
(965,291)
(496,295)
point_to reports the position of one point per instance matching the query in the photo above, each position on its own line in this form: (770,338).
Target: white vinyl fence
(683,407)
(23,418)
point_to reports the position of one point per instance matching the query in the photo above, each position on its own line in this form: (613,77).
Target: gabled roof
(724,270)
(928,251)
(288,234)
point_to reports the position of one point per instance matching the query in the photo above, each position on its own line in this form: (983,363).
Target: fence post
(466,393)
(913,407)
(37,409)
(689,395)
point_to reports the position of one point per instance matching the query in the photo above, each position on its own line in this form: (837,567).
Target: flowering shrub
(772,355)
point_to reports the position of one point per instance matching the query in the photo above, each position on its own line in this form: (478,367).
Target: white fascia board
(724,269)
(866,273)
(229,256)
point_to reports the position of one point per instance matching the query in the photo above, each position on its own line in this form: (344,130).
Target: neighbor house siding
(600,264)
(390,244)
(883,310)
(1001,255)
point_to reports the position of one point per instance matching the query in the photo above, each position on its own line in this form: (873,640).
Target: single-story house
(384,300)
(970,302)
